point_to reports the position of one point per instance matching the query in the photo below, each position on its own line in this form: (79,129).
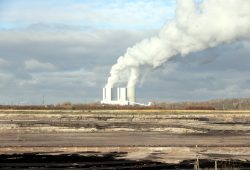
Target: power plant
(118,96)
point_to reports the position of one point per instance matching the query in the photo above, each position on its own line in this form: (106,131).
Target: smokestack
(117,96)
(122,94)
(131,84)
(131,94)
(106,93)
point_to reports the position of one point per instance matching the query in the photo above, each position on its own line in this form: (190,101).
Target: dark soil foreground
(105,161)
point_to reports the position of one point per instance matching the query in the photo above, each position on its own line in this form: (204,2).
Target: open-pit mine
(124,139)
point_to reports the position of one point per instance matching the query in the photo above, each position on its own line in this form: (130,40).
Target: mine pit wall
(98,121)
(159,154)
(211,134)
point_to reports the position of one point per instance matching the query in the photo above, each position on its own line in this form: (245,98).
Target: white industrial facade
(116,96)
(122,94)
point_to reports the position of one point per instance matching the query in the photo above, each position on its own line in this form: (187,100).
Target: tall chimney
(107,93)
(131,94)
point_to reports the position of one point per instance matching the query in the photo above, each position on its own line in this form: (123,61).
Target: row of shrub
(96,106)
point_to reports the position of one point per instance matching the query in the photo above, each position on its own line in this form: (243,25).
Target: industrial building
(118,96)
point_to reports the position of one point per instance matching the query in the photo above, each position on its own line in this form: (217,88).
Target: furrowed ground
(167,136)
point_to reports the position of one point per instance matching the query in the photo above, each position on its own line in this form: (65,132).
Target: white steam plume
(195,28)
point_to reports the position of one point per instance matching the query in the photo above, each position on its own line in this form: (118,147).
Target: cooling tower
(122,94)
(131,94)
(119,96)
(106,93)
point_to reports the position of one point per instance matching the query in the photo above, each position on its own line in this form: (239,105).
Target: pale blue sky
(109,14)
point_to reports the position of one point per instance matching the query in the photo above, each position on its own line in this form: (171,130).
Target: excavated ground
(157,136)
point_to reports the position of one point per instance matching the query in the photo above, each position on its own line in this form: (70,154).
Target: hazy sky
(63,50)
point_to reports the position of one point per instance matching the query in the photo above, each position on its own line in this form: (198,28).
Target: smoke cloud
(197,26)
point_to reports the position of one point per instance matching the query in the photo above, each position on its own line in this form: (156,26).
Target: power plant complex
(118,96)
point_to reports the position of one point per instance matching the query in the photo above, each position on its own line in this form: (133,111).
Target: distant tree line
(219,104)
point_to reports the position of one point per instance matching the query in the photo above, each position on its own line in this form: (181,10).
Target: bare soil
(165,136)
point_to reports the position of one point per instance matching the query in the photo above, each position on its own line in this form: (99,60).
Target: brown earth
(158,135)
